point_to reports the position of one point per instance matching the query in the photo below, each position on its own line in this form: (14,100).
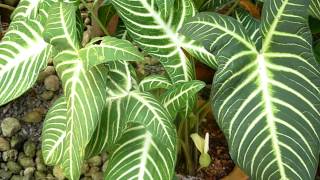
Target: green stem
(105,31)
(235,4)
(187,156)
(10,8)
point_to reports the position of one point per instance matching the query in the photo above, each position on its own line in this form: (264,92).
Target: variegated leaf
(155,82)
(140,155)
(215,4)
(61,27)
(266,102)
(54,132)
(176,98)
(252,26)
(158,36)
(109,49)
(315,8)
(23,54)
(85,97)
(119,82)
(144,145)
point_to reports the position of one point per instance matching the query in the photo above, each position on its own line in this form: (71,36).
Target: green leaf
(158,36)
(177,97)
(23,54)
(54,132)
(111,126)
(109,129)
(215,4)
(266,102)
(148,150)
(85,96)
(144,109)
(140,155)
(109,49)
(252,26)
(121,31)
(315,8)
(61,27)
(165,7)
(26,9)
(154,82)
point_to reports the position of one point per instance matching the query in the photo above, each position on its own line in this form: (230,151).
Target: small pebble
(85,168)
(29,148)
(17,177)
(39,175)
(5,175)
(10,126)
(58,172)
(52,83)
(87,21)
(95,161)
(16,141)
(26,161)
(10,155)
(14,167)
(4,144)
(47,95)
(45,73)
(33,117)
(97,176)
(29,171)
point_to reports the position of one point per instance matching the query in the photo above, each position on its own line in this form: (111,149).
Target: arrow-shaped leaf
(267,103)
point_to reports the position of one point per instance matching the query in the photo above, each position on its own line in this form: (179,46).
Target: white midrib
(268,37)
(266,98)
(144,158)
(33,4)
(172,35)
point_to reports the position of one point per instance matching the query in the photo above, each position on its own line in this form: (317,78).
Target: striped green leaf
(165,7)
(215,4)
(147,151)
(109,49)
(158,36)
(140,155)
(85,97)
(27,9)
(61,27)
(266,102)
(252,26)
(54,132)
(109,129)
(154,82)
(119,82)
(177,97)
(315,8)
(23,54)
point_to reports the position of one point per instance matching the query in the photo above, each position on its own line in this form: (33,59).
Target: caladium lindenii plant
(265,93)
